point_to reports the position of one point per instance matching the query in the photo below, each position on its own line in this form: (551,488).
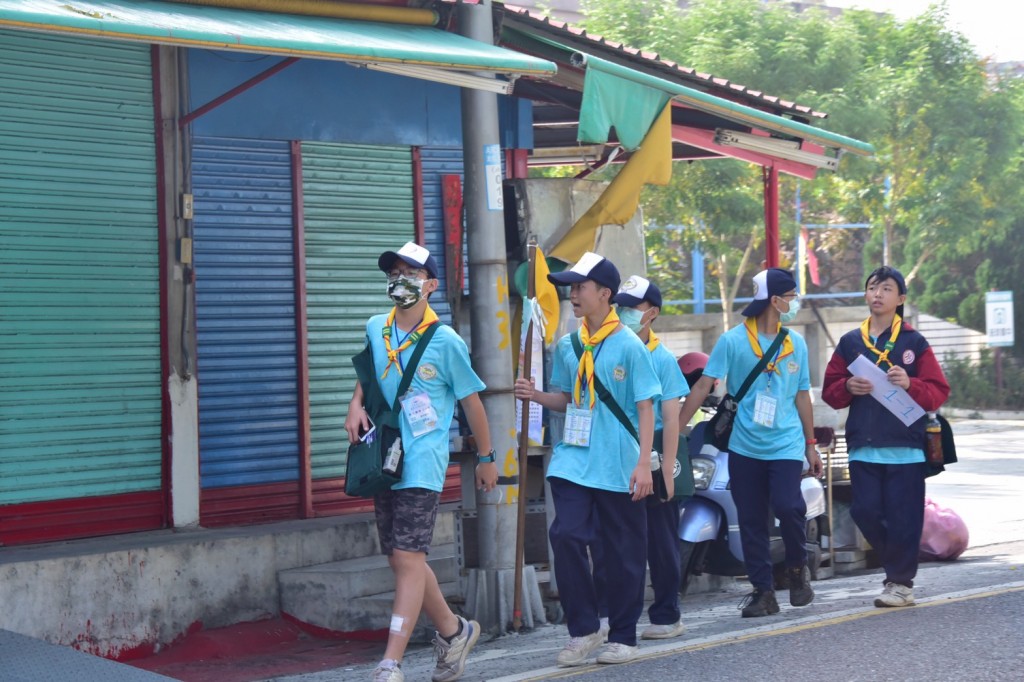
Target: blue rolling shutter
(80,378)
(358,202)
(245,312)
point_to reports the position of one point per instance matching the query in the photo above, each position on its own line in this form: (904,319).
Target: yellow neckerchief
(652,341)
(429,318)
(883,355)
(585,373)
(755,345)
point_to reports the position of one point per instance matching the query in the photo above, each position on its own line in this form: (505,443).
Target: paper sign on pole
(999,318)
(536,432)
(893,398)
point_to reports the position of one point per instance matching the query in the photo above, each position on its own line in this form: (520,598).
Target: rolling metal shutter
(358,202)
(245,314)
(80,377)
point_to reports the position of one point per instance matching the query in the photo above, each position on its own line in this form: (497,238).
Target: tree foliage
(948,139)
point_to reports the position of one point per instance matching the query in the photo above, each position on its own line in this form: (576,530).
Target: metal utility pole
(490,587)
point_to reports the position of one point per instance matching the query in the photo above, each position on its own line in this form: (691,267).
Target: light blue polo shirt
(623,364)
(673,383)
(444,373)
(733,359)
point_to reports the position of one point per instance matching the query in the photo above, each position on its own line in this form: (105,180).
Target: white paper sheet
(893,398)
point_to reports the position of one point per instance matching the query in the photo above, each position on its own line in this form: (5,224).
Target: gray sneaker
(895,596)
(451,658)
(579,649)
(388,674)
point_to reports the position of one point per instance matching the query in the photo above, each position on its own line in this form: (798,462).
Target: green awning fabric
(616,91)
(267,33)
(610,101)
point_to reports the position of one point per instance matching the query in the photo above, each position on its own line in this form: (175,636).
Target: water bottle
(933,440)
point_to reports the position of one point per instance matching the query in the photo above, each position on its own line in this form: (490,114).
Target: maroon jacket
(869,424)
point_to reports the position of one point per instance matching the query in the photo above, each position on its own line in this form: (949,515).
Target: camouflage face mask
(405,291)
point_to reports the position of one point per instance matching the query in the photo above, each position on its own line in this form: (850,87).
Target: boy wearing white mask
(639,304)
(772,436)
(406,513)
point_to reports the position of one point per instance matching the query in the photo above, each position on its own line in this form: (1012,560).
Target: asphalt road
(967,624)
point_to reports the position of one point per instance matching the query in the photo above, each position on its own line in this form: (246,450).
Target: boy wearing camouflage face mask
(406,513)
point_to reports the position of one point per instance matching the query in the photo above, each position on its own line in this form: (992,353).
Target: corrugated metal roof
(719,86)
(169,23)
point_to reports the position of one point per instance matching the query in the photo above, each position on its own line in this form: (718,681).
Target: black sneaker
(800,591)
(759,603)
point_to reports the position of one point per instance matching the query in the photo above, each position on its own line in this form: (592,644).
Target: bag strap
(762,364)
(410,369)
(605,395)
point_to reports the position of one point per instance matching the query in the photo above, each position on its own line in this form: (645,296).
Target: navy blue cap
(591,266)
(768,283)
(413,254)
(635,290)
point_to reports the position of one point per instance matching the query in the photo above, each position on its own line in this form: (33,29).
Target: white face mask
(794,308)
(631,318)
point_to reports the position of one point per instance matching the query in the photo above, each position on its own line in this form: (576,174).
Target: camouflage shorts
(405,519)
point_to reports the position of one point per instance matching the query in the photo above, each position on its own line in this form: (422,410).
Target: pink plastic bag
(945,535)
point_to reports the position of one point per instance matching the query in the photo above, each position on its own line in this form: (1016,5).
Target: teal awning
(168,23)
(611,87)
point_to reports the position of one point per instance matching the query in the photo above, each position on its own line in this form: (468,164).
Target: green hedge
(974,383)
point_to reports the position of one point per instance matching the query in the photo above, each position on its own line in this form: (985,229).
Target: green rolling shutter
(80,396)
(358,202)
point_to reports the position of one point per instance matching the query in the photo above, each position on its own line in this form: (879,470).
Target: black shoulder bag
(683,474)
(719,428)
(365,475)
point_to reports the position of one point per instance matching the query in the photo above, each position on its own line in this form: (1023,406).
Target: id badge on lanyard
(577,426)
(764,408)
(420,413)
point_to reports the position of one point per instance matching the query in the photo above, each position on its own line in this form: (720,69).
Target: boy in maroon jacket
(887,463)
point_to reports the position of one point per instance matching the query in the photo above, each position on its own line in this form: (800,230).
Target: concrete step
(373,613)
(343,596)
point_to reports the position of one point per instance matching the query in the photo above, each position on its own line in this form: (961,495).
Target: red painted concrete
(256,651)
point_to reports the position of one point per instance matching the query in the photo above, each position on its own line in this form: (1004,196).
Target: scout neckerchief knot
(429,318)
(586,371)
(652,341)
(883,355)
(755,345)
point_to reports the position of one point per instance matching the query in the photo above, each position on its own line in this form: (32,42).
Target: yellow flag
(652,164)
(547,297)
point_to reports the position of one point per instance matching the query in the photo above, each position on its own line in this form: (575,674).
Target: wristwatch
(486,459)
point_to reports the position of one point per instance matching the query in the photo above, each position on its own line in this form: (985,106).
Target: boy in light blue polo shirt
(772,436)
(599,474)
(406,513)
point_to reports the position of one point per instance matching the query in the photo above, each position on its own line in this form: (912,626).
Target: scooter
(709,531)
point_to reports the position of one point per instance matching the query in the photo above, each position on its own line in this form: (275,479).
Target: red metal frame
(770,175)
(235,91)
(166,450)
(705,139)
(419,221)
(81,517)
(301,342)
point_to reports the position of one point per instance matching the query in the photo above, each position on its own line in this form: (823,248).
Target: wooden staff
(524,443)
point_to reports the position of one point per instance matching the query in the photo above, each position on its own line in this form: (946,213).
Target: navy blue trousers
(662,557)
(760,489)
(888,507)
(621,525)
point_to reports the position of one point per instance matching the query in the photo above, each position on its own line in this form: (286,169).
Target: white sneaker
(895,595)
(604,629)
(579,649)
(451,658)
(388,673)
(617,652)
(663,631)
